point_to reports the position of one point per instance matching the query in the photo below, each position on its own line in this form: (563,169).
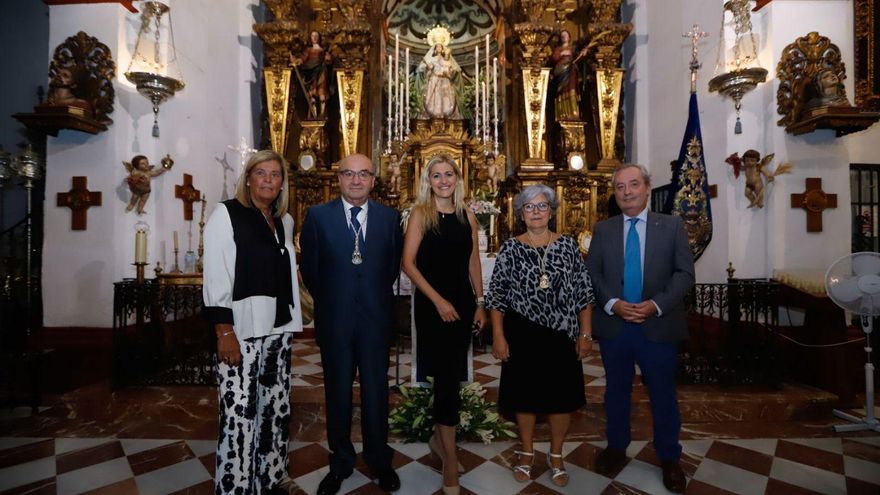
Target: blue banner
(689,194)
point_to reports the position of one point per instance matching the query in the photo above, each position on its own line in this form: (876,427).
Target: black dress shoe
(610,461)
(673,476)
(388,479)
(331,484)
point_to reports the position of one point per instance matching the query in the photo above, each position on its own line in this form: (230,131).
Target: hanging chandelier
(153,68)
(744,74)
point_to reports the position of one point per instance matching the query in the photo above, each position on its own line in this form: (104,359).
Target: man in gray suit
(642,268)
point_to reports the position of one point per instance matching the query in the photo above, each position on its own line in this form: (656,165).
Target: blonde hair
(425,203)
(243,191)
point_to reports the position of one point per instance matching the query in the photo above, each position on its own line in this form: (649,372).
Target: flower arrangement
(483,209)
(478,418)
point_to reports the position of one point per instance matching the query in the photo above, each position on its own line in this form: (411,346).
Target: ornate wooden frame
(867,54)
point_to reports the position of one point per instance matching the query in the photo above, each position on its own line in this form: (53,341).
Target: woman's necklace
(544,281)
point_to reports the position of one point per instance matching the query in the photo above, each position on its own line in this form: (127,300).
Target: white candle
(176,247)
(400,113)
(390,102)
(140,247)
(477,90)
(486,108)
(495,98)
(487,75)
(397,80)
(406,95)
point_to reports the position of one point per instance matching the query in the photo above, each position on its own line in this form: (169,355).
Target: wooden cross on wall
(814,200)
(79,199)
(188,194)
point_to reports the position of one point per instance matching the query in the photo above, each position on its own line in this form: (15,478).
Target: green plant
(478,418)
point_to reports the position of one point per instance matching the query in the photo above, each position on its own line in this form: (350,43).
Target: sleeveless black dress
(443,258)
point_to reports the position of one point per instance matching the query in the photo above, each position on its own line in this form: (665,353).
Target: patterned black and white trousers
(254,400)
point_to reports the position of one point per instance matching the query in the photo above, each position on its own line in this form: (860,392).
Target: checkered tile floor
(132,466)
(717,464)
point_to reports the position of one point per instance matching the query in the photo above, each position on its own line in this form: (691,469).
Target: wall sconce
(156,77)
(742,77)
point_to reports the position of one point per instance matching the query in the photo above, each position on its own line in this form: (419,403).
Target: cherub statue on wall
(494,164)
(755,170)
(139,174)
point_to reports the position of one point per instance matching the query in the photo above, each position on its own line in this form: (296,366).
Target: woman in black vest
(252,299)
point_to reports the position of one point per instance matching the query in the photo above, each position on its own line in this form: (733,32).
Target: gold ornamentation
(535,92)
(313,139)
(438,35)
(279,37)
(277,95)
(691,201)
(608,84)
(866,57)
(350,84)
(811,93)
(606,11)
(534,39)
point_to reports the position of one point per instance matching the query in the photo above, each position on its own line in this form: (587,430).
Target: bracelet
(587,336)
(224,334)
(481,302)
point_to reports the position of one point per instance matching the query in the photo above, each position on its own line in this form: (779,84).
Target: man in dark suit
(350,259)
(642,268)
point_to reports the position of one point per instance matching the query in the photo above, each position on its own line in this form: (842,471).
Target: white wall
(756,241)
(214,48)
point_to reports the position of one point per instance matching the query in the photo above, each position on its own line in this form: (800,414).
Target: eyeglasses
(542,206)
(362,174)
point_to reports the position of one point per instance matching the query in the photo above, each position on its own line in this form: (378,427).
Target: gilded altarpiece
(511,53)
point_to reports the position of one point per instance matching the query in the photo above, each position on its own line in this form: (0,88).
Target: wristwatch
(587,336)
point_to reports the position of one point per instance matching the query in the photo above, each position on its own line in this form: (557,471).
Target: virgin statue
(440,70)
(566,80)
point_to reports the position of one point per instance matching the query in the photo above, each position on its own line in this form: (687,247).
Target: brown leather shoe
(610,461)
(673,476)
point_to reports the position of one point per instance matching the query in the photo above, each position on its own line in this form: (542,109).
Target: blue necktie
(632,265)
(356,224)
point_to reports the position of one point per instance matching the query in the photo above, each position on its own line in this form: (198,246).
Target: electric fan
(853,283)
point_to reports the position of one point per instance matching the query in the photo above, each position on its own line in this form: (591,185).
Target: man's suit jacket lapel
(617,252)
(653,232)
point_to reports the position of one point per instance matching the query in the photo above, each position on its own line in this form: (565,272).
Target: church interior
(121,130)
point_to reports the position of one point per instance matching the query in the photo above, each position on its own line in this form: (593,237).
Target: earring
(247,184)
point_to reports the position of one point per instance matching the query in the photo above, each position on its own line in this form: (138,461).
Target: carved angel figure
(755,170)
(139,174)
(394,172)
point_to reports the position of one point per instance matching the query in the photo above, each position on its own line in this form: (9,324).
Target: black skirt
(543,374)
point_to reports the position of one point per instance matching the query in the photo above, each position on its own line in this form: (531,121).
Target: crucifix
(244,152)
(188,194)
(814,200)
(79,199)
(695,34)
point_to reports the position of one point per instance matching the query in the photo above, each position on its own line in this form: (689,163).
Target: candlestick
(139,267)
(477,91)
(390,103)
(140,246)
(406,96)
(200,265)
(495,99)
(400,114)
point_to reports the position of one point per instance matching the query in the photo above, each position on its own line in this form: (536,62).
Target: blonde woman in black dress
(441,256)
(539,299)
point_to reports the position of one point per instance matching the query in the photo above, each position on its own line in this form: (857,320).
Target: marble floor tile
(581,481)
(643,476)
(862,469)
(132,446)
(418,479)
(730,478)
(63,445)
(829,444)
(309,482)
(94,476)
(808,477)
(762,445)
(172,478)
(490,479)
(28,472)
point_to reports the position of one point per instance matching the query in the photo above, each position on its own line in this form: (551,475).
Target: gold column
(534,36)
(277,82)
(351,46)
(278,36)
(608,36)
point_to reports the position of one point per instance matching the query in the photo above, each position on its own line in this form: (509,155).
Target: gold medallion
(544,283)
